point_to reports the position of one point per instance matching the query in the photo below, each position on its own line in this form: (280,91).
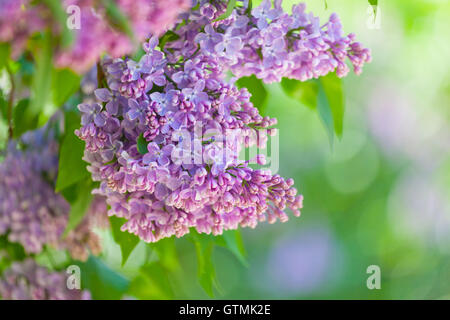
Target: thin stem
(100,76)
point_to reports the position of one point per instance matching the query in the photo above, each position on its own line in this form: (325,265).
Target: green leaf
(204,245)
(124,239)
(117,19)
(60,16)
(257,89)
(137,56)
(169,36)
(304,92)
(152,283)
(23,121)
(11,252)
(325,114)
(101,281)
(80,199)
(64,84)
(142,144)
(41,84)
(3,107)
(167,253)
(232,240)
(230,7)
(4,54)
(332,87)
(324,94)
(71,166)
(26,70)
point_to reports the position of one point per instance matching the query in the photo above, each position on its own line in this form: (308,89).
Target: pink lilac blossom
(272,44)
(96,36)
(31,213)
(17,24)
(27,281)
(19,19)
(164,137)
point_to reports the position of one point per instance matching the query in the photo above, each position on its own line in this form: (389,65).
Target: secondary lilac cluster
(94,31)
(16,24)
(31,213)
(83,241)
(28,281)
(96,35)
(271,43)
(164,139)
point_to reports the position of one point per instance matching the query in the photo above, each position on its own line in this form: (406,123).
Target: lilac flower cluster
(31,213)
(164,139)
(16,24)
(19,19)
(96,35)
(272,44)
(27,281)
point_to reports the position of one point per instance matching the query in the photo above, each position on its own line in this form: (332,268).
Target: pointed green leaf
(142,144)
(152,283)
(304,92)
(325,114)
(64,84)
(324,95)
(204,245)
(72,168)
(4,54)
(21,122)
(124,239)
(169,36)
(101,281)
(41,84)
(332,87)
(80,198)
(257,89)
(167,253)
(232,240)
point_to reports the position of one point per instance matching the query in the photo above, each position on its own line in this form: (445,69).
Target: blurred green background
(380,197)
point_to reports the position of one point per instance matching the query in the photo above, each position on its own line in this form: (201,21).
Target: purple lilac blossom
(31,213)
(28,281)
(192,180)
(17,25)
(19,19)
(272,44)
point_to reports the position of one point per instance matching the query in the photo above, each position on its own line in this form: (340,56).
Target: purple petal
(100,120)
(84,107)
(178,76)
(86,119)
(161,191)
(152,147)
(103,94)
(112,107)
(159,80)
(107,155)
(148,158)
(163,160)
(133,104)
(133,114)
